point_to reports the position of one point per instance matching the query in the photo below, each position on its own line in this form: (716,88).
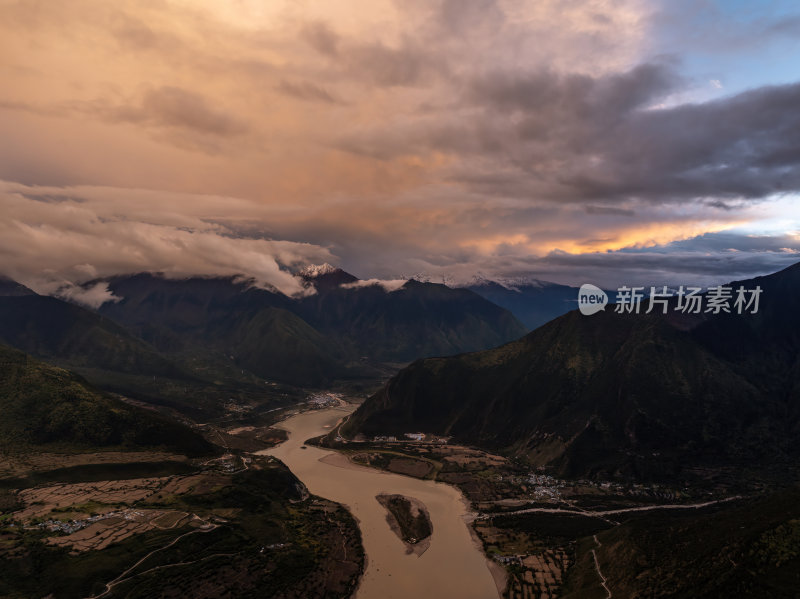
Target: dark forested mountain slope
(311,339)
(10,288)
(746,548)
(646,394)
(70,335)
(42,405)
(226,320)
(416,320)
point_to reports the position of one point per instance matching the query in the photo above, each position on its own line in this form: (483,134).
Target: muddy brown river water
(453,567)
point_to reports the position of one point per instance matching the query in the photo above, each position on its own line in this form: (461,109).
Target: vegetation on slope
(750,548)
(417,320)
(44,405)
(310,340)
(611,394)
(72,336)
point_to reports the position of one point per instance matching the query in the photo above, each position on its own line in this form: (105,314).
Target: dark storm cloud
(591,209)
(322,38)
(731,242)
(745,146)
(380,65)
(170,106)
(458,17)
(33,108)
(789,25)
(575,95)
(305,90)
(51,198)
(166,107)
(135,35)
(572,137)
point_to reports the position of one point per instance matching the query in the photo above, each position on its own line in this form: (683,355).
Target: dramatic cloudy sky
(578,140)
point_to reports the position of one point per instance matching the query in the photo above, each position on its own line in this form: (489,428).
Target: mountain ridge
(323,334)
(616,394)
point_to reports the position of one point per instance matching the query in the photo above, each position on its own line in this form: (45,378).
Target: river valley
(454,566)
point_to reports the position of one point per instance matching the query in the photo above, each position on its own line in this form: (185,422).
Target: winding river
(453,566)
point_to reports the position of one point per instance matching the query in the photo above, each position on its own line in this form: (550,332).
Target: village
(70,526)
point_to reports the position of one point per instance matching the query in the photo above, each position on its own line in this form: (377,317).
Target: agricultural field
(245,524)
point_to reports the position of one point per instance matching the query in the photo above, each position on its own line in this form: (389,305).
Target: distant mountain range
(532,301)
(206,333)
(109,354)
(611,394)
(314,338)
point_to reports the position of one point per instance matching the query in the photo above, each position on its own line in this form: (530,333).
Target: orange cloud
(422,134)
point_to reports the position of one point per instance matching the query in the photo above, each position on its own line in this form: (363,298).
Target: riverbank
(453,566)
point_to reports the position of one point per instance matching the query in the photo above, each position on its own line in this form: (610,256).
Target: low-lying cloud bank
(388,285)
(708,259)
(92,295)
(54,238)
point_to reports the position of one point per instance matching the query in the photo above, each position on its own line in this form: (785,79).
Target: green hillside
(279,345)
(184,372)
(48,407)
(745,549)
(223,322)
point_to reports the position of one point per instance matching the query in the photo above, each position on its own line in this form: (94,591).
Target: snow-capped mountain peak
(510,283)
(521,281)
(480,279)
(312,271)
